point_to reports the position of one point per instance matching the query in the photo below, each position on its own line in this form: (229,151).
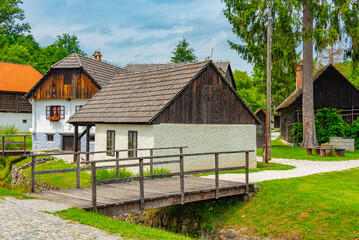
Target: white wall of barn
(22,121)
(198,137)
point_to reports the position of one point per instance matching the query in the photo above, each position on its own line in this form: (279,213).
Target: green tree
(11,17)
(309,22)
(182,53)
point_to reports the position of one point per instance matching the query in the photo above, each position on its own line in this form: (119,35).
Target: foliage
(329,123)
(182,53)
(8,129)
(113,226)
(156,171)
(346,68)
(104,174)
(11,17)
(280,150)
(248,89)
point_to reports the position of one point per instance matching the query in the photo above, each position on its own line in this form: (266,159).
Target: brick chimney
(97,55)
(299,74)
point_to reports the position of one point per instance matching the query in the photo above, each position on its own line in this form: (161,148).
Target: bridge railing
(4,142)
(78,168)
(141,178)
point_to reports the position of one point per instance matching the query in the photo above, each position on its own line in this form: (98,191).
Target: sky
(137,31)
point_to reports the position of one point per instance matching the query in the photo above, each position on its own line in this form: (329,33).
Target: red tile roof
(17,77)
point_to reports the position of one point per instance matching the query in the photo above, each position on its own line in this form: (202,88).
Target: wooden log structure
(121,198)
(5,152)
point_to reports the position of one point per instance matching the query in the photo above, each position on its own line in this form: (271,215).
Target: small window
(50,137)
(78,108)
(55,111)
(132,143)
(92,138)
(24,121)
(67,78)
(110,142)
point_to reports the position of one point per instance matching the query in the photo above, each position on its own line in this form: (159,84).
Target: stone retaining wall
(346,143)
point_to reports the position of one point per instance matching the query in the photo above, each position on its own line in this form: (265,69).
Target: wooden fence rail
(78,169)
(4,143)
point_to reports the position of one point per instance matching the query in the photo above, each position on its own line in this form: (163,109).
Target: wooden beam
(33,174)
(76,137)
(88,142)
(93,186)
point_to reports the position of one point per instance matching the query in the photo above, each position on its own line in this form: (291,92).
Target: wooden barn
(15,81)
(331,90)
(189,104)
(62,91)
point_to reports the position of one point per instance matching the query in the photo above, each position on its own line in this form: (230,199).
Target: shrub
(328,123)
(8,130)
(156,171)
(104,174)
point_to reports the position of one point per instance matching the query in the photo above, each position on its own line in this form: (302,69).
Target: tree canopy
(17,45)
(183,53)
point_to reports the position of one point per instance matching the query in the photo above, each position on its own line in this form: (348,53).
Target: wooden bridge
(124,195)
(4,142)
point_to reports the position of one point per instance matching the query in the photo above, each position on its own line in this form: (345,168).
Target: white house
(189,104)
(15,81)
(62,91)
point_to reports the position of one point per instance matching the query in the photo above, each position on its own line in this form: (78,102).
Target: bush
(104,174)
(8,130)
(156,171)
(328,123)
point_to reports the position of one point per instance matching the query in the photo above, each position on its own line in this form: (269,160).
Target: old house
(15,81)
(189,104)
(331,90)
(62,91)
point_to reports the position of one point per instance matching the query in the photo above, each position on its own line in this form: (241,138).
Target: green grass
(6,192)
(260,167)
(280,150)
(127,230)
(322,206)
(18,139)
(60,180)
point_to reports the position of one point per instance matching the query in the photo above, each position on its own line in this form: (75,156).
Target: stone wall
(18,178)
(346,143)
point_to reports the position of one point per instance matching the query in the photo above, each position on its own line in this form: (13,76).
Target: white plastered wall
(198,137)
(16,119)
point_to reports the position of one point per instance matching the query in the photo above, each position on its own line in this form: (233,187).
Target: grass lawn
(127,230)
(280,150)
(6,192)
(260,167)
(60,180)
(322,206)
(18,139)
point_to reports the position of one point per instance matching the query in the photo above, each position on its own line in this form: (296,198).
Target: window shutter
(47,112)
(62,112)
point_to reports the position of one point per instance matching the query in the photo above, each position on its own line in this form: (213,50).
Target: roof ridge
(78,59)
(101,62)
(169,67)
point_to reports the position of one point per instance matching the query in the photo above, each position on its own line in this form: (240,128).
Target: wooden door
(68,143)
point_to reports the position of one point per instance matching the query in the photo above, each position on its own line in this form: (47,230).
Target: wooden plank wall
(79,85)
(207,100)
(13,102)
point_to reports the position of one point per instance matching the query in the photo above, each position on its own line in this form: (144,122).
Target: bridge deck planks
(128,193)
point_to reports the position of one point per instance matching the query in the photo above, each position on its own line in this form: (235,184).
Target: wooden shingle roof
(138,97)
(101,72)
(17,77)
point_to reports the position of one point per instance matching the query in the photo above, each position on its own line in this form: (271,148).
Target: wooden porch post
(88,142)
(76,139)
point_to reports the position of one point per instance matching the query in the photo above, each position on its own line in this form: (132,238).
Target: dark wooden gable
(65,84)
(261,115)
(332,90)
(207,100)
(13,102)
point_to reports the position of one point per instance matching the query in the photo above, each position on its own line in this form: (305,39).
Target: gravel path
(303,168)
(25,219)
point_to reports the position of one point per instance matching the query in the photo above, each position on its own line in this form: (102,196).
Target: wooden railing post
(77,170)
(142,187)
(93,185)
(3,146)
(182,176)
(33,174)
(217,174)
(117,168)
(151,162)
(247,172)
(24,144)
